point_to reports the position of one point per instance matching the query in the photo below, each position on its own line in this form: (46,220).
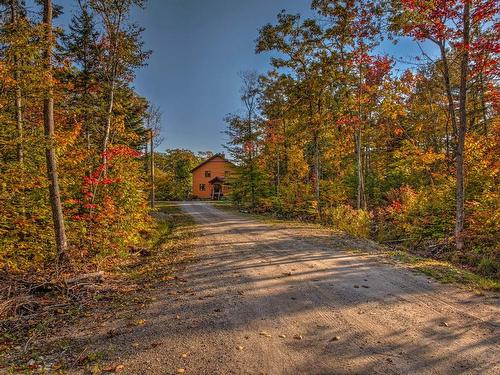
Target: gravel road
(279,299)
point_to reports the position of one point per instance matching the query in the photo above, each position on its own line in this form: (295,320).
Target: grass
(170,244)
(446,272)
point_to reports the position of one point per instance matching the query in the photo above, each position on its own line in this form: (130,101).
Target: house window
(202,187)
(207,174)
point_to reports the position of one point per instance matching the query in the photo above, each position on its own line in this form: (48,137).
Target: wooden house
(210,178)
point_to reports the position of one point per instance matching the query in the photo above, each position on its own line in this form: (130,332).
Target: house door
(217,193)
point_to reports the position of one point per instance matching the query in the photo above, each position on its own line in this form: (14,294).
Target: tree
(50,151)
(297,45)
(449,25)
(61,183)
(174,173)
(83,48)
(14,9)
(352,32)
(244,135)
(123,53)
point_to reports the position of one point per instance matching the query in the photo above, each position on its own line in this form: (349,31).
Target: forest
(401,151)
(72,131)
(404,152)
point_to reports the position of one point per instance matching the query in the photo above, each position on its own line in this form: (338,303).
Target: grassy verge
(445,272)
(170,245)
(28,344)
(442,271)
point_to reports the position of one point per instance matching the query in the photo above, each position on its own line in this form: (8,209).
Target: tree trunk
(316,169)
(251,157)
(19,108)
(50,152)
(461,131)
(152,167)
(284,169)
(447,86)
(107,130)
(360,201)
(278,172)
(483,105)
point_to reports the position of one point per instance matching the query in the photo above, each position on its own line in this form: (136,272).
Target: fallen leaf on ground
(116,368)
(140,322)
(298,337)
(282,336)
(239,347)
(135,344)
(264,333)
(336,338)
(444,324)
(181,370)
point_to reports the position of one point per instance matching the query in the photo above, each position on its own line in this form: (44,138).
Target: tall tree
(83,48)
(448,24)
(249,94)
(244,135)
(50,151)
(14,8)
(123,53)
(296,41)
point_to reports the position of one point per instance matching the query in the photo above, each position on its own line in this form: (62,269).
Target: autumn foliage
(103,187)
(373,145)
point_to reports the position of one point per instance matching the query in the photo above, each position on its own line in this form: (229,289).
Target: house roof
(210,159)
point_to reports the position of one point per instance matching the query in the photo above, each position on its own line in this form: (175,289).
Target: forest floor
(262,297)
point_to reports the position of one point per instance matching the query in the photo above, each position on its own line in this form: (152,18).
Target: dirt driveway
(269,299)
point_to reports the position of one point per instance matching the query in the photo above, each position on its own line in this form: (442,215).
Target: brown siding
(217,166)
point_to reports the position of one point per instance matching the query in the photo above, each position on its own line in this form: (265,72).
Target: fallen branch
(95,277)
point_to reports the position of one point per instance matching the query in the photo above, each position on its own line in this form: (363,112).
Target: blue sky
(199,46)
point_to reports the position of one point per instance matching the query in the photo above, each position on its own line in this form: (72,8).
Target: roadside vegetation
(401,152)
(74,191)
(39,322)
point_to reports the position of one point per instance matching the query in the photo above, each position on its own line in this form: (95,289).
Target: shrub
(348,220)
(489,267)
